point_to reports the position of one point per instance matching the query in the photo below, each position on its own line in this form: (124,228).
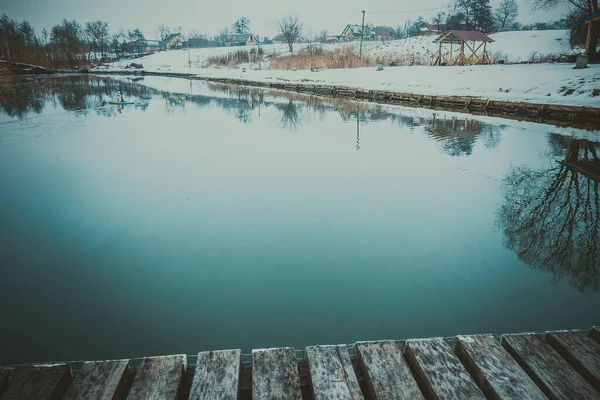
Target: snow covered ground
(536,83)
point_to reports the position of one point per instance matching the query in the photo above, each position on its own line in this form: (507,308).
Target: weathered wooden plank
(556,378)
(388,375)
(582,352)
(332,374)
(4,372)
(158,378)
(439,371)
(101,380)
(275,374)
(38,382)
(217,375)
(595,334)
(497,374)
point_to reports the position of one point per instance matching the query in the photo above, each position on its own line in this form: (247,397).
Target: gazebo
(463,38)
(589,21)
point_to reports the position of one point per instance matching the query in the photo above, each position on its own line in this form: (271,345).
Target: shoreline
(584,117)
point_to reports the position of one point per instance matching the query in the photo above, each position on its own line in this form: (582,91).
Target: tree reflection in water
(22,96)
(459,136)
(551,217)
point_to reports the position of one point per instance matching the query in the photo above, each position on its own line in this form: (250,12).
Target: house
(173,40)
(333,38)
(431,29)
(245,39)
(352,32)
(383,33)
(151,46)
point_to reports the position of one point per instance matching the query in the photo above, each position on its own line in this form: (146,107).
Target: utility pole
(189,55)
(258,55)
(362,34)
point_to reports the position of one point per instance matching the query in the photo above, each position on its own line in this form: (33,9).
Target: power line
(406,12)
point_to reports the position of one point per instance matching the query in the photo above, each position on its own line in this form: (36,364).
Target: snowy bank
(512,47)
(533,83)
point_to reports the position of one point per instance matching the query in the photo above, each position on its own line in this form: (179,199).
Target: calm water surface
(210,217)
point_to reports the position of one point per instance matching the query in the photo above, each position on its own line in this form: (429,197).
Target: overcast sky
(211,16)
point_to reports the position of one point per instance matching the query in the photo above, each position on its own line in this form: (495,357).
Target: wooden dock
(555,365)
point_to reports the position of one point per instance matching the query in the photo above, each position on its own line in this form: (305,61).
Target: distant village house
(151,46)
(383,33)
(246,39)
(173,40)
(353,32)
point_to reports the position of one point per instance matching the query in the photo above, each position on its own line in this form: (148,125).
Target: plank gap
(360,376)
(305,382)
(246,382)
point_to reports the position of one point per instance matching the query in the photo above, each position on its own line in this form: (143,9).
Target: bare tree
(97,35)
(291,29)
(323,36)
(506,13)
(439,18)
(579,8)
(551,216)
(221,37)
(163,31)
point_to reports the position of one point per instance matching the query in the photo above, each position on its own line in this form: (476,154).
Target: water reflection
(551,216)
(460,135)
(20,97)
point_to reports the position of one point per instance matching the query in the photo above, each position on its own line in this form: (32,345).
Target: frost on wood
(217,375)
(581,351)
(494,370)
(332,374)
(275,374)
(439,370)
(549,370)
(38,383)
(101,380)
(388,375)
(158,378)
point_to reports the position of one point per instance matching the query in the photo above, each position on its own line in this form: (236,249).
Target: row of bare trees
(67,45)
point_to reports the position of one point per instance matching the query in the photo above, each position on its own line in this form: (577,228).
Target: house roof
(469,36)
(152,43)
(592,17)
(357,29)
(384,30)
(172,36)
(239,37)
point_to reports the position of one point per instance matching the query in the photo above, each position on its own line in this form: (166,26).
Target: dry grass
(235,58)
(317,56)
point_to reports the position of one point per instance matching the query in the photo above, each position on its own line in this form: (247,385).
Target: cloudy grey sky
(211,16)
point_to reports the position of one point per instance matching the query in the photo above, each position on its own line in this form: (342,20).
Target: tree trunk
(290,46)
(592,42)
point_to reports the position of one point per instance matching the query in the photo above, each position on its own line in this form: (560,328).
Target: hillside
(512,47)
(549,83)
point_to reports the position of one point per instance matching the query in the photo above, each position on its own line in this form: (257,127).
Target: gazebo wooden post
(588,38)
(451,62)
(485,54)
(462,52)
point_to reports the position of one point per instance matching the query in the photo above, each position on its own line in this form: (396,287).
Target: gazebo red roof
(469,36)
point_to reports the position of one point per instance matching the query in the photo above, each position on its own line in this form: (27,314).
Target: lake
(207,216)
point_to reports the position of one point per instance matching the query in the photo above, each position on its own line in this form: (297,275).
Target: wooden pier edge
(526,365)
(584,117)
